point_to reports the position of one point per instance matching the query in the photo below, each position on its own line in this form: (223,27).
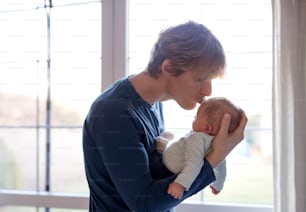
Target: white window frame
(114,66)
(114,41)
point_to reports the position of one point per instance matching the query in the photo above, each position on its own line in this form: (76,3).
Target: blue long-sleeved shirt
(123,169)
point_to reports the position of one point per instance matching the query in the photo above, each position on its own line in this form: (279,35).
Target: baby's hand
(162,141)
(176,190)
(213,190)
(161,144)
(167,135)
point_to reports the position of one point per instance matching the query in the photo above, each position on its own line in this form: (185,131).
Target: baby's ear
(208,129)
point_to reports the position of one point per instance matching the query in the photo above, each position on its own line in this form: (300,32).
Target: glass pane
(14,5)
(72,2)
(22,36)
(67,169)
(248,82)
(76,61)
(22,99)
(21,165)
(22,78)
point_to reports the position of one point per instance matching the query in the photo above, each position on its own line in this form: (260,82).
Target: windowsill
(228,207)
(80,201)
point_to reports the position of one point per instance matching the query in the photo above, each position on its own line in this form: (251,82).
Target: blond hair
(187,45)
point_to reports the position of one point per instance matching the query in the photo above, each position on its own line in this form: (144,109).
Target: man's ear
(166,67)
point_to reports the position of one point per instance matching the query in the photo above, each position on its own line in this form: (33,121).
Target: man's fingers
(225,124)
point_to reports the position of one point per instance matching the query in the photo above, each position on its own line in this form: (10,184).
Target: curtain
(289,107)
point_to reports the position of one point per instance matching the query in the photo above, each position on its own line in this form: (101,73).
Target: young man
(124,171)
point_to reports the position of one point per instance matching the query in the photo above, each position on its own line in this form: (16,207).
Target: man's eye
(203,79)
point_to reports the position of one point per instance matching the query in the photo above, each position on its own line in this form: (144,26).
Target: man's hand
(225,142)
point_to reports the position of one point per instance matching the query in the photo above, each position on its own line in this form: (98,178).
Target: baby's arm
(220,173)
(193,162)
(162,141)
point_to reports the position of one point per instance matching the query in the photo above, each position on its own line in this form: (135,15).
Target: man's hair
(187,45)
(217,107)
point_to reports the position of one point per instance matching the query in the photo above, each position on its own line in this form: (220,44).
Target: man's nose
(206,89)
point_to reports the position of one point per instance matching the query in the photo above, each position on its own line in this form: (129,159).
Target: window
(245,30)
(43,107)
(75,80)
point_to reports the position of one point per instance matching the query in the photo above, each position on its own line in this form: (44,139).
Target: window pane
(14,5)
(75,80)
(22,101)
(76,60)
(67,169)
(72,2)
(245,30)
(20,159)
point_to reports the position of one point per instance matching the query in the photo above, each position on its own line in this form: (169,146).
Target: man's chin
(189,106)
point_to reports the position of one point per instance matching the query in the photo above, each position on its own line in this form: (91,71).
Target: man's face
(189,88)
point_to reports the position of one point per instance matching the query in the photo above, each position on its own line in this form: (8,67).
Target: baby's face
(213,109)
(200,121)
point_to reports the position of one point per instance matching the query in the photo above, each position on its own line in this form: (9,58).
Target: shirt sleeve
(119,140)
(220,173)
(194,160)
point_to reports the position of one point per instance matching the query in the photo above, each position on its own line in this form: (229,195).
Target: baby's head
(211,112)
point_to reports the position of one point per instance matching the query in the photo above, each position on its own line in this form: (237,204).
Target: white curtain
(289,107)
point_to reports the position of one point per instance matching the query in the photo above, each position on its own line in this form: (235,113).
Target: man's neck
(150,89)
